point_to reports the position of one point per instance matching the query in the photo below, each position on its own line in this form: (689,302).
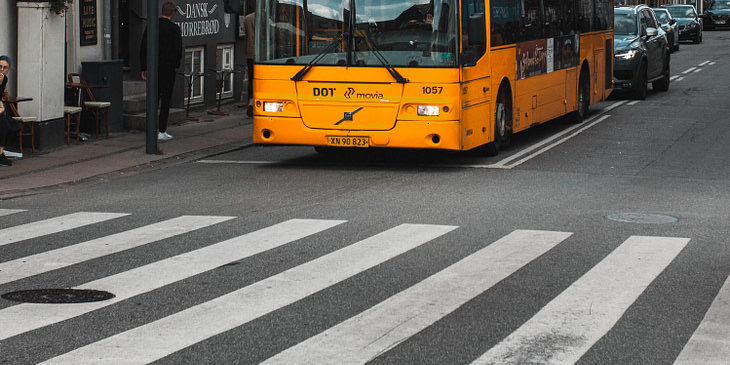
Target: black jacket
(170,46)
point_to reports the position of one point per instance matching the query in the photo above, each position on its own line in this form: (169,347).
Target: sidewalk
(124,153)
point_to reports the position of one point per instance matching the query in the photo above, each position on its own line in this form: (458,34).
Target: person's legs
(165,86)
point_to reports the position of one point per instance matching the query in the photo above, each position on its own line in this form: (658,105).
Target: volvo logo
(348,115)
(349,93)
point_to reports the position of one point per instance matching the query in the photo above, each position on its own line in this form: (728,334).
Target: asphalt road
(605,242)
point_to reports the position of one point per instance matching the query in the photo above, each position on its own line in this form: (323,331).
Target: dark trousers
(165,84)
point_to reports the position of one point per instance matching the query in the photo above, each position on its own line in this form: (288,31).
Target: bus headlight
(428,110)
(273,106)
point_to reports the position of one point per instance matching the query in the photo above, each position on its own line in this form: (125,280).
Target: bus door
(477,119)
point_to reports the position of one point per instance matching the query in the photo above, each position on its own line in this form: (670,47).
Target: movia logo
(349,92)
(374,95)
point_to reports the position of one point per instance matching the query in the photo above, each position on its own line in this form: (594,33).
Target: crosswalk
(561,332)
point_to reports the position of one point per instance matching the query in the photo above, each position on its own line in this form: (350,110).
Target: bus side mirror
(477,29)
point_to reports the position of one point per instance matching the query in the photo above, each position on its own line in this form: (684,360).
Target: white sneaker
(11,154)
(169,136)
(163,136)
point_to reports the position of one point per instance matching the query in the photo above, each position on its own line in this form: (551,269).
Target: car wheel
(698,38)
(641,83)
(663,83)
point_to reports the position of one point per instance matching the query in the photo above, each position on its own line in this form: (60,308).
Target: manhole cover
(644,218)
(58,296)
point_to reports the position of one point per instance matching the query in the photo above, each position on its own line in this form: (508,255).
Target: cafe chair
(97,108)
(26,124)
(73,118)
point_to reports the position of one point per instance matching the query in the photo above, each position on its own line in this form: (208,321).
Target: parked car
(717,15)
(690,24)
(669,26)
(641,51)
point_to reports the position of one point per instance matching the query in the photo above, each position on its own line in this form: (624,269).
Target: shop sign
(87,18)
(202,19)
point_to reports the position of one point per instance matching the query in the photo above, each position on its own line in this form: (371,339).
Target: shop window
(224,68)
(194,72)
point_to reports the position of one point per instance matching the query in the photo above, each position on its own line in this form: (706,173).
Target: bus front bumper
(405,134)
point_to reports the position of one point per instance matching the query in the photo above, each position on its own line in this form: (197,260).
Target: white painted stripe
(689,70)
(53,225)
(571,323)
(633,102)
(698,70)
(236,162)
(506,162)
(170,334)
(29,316)
(712,63)
(556,142)
(679,78)
(10,211)
(70,255)
(704,63)
(401,316)
(710,343)
(674,77)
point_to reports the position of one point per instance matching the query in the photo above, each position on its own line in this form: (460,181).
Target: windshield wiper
(300,75)
(379,55)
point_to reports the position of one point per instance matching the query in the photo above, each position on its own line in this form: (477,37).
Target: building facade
(46,46)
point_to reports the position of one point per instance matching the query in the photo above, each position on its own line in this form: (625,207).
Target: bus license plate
(341,141)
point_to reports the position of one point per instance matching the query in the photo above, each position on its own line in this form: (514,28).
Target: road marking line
(689,70)
(704,63)
(571,323)
(70,255)
(10,211)
(679,79)
(712,63)
(710,344)
(698,70)
(29,316)
(580,128)
(53,225)
(173,333)
(504,164)
(235,162)
(633,102)
(382,327)
(674,77)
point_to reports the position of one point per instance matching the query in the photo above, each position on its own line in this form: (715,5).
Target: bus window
(472,11)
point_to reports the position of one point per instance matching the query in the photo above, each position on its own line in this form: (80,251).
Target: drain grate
(58,296)
(644,218)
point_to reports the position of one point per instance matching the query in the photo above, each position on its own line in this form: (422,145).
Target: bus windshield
(381,33)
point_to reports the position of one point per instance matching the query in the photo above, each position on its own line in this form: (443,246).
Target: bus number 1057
(433,89)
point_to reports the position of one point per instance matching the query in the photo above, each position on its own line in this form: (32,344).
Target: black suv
(717,15)
(641,51)
(690,24)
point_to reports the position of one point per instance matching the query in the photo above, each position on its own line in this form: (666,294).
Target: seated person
(8,126)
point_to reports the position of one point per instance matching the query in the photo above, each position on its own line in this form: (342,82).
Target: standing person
(170,53)
(8,125)
(248,23)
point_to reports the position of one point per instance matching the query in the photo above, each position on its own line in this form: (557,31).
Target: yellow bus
(426,74)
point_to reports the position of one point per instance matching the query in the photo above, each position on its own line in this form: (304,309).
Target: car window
(650,19)
(720,5)
(662,16)
(624,24)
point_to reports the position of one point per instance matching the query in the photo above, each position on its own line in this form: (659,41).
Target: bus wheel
(584,95)
(502,126)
